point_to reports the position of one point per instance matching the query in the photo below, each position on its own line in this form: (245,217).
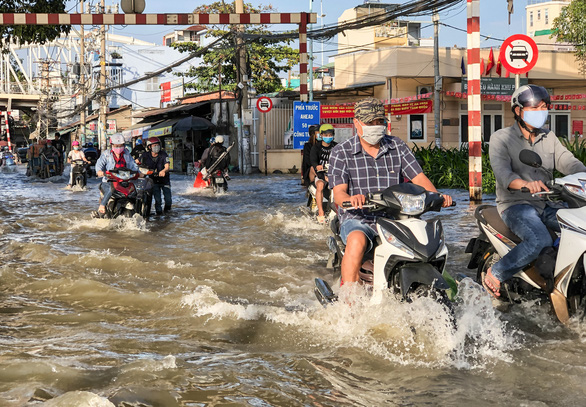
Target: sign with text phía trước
(305,114)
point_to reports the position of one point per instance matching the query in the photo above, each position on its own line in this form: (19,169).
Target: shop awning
(137,130)
(184,123)
(193,123)
(164,128)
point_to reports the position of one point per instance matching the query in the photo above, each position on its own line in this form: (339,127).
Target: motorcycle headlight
(576,189)
(123,174)
(411,204)
(389,237)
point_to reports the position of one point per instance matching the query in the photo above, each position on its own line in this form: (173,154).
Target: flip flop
(491,284)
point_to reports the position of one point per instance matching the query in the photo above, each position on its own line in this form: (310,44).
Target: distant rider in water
(320,156)
(116,157)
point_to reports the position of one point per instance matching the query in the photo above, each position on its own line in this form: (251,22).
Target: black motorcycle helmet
(528,96)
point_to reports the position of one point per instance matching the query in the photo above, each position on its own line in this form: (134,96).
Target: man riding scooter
(526,216)
(368,162)
(320,156)
(116,157)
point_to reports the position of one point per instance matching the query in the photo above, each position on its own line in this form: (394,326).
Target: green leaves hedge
(448,168)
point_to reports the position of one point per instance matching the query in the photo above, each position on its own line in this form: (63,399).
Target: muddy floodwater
(213,305)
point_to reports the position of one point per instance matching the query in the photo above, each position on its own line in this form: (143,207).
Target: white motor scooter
(559,274)
(410,253)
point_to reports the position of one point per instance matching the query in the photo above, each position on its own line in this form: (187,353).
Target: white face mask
(373,134)
(156,148)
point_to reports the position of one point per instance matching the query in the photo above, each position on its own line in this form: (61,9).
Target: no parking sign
(518,54)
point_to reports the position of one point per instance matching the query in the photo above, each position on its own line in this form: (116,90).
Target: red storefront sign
(336,111)
(347,111)
(418,107)
(165,92)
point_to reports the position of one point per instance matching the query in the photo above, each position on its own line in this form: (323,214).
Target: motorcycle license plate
(129,206)
(220,180)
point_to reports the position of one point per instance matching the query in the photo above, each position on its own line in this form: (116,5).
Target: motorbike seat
(488,214)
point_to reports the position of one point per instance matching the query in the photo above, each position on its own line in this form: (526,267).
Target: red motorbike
(131,194)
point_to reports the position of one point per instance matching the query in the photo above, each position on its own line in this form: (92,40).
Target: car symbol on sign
(519,52)
(264,104)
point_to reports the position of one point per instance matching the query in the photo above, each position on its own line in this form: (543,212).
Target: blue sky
(493,20)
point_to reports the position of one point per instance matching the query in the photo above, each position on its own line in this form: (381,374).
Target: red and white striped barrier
(302,19)
(154,19)
(303,94)
(474,102)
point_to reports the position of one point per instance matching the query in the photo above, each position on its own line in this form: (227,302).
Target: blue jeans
(107,189)
(531,227)
(350,225)
(157,188)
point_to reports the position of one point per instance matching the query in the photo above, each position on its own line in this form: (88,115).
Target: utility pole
(82,78)
(437,87)
(44,101)
(310,58)
(103,100)
(243,140)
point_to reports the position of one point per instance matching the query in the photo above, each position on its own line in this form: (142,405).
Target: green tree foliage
(32,33)
(570,27)
(266,58)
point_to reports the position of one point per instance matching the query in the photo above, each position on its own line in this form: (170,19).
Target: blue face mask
(327,140)
(535,118)
(318,137)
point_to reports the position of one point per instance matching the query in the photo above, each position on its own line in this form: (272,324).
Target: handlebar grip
(453,203)
(524,189)
(347,204)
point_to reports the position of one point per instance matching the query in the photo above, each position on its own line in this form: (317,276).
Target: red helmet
(153,140)
(75,143)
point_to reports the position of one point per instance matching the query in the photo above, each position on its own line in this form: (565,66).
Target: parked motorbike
(131,194)
(409,254)
(79,170)
(218,181)
(558,272)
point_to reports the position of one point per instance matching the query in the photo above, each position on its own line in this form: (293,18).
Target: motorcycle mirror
(530,158)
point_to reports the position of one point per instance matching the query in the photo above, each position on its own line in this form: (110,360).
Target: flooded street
(213,304)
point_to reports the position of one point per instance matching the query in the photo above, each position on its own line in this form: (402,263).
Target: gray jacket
(505,145)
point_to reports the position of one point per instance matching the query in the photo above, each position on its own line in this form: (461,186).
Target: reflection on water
(213,304)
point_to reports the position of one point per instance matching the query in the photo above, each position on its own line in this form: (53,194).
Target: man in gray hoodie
(528,217)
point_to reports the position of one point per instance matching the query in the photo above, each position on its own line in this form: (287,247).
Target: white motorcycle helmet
(219,139)
(117,139)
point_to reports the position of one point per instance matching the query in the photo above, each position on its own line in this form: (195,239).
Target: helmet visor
(533,96)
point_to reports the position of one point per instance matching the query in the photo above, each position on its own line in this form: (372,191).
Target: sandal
(491,284)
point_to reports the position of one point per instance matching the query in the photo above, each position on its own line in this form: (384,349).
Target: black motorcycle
(131,194)
(79,171)
(219,181)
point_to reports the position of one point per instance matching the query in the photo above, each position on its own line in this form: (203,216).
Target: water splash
(420,333)
(121,224)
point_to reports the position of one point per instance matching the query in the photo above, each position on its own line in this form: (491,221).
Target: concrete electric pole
(81,134)
(243,138)
(103,100)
